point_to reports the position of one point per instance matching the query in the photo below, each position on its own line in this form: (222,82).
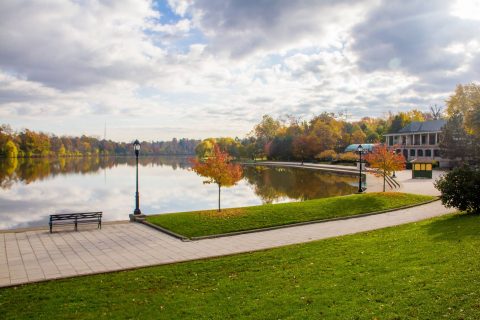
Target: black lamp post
(360,151)
(136,147)
(393,175)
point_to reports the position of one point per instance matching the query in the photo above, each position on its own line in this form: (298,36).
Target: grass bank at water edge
(211,222)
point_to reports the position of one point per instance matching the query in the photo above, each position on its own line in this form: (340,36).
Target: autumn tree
(11,150)
(218,169)
(267,129)
(358,137)
(385,161)
(305,147)
(460,139)
(327,131)
(466,101)
(265,132)
(205,148)
(401,119)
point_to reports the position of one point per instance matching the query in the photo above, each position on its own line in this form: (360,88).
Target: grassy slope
(426,270)
(201,223)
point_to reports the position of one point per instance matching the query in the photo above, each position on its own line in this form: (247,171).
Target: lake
(32,189)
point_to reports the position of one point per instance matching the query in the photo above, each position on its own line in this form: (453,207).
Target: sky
(155,70)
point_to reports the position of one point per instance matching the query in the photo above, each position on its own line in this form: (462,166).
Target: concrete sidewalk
(38,255)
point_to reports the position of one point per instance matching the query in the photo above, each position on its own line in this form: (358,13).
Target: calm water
(31,189)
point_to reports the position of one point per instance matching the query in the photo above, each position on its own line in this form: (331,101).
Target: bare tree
(436,112)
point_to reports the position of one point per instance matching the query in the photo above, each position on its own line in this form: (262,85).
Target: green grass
(426,270)
(210,222)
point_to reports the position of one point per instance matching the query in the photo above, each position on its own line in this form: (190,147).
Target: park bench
(76,219)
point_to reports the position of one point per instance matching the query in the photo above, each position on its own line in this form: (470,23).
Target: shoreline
(373,183)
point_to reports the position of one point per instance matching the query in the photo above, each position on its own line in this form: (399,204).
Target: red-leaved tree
(218,169)
(385,161)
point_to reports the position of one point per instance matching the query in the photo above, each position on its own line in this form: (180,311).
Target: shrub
(348,157)
(460,189)
(327,155)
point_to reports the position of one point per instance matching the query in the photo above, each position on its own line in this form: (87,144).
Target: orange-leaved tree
(385,161)
(218,169)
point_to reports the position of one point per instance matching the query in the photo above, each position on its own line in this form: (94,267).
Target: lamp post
(393,175)
(136,147)
(360,151)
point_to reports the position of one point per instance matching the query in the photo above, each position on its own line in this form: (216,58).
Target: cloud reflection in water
(31,190)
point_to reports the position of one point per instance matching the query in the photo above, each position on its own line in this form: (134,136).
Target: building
(419,141)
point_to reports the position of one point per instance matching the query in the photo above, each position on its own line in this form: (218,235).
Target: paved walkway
(38,255)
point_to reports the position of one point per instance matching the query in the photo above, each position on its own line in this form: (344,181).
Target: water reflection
(28,170)
(273,184)
(31,189)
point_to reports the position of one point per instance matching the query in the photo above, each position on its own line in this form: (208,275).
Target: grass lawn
(426,270)
(210,222)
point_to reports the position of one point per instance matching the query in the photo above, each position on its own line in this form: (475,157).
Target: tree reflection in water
(273,184)
(28,170)
(31,189)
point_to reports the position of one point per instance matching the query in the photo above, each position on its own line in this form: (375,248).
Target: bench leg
(50,227)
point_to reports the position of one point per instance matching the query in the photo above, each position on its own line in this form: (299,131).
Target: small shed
(421,169)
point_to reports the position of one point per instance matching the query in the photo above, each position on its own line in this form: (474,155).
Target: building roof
(366,147)
(425,126)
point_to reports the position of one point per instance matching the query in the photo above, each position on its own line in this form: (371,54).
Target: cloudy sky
(200,68)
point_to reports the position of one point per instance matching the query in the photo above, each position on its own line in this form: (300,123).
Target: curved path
(38,255)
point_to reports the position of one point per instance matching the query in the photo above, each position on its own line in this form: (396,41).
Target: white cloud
(241,28)
(212,68)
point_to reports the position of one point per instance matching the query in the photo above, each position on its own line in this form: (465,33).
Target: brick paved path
(38,255)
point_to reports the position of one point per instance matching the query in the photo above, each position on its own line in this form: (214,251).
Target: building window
(428,153)
(390,141)
(424,139)
(412,152)
(420,153)
(416,138)
(436,153)
(431,139)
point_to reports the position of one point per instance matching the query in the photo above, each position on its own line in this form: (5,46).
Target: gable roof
(426,126)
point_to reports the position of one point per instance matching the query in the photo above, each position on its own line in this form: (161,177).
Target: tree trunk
(219,198)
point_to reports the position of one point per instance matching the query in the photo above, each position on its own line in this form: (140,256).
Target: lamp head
(359,148)
(136,146)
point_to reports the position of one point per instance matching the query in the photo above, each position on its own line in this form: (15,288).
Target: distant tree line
(324,137)
(30,144)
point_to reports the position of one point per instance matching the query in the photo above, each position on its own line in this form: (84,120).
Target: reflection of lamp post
(360,151)
(136,147)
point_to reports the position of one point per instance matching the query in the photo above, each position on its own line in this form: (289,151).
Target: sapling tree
(218,169)
(385,161)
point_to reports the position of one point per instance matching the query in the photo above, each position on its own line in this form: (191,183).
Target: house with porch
(419,141)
